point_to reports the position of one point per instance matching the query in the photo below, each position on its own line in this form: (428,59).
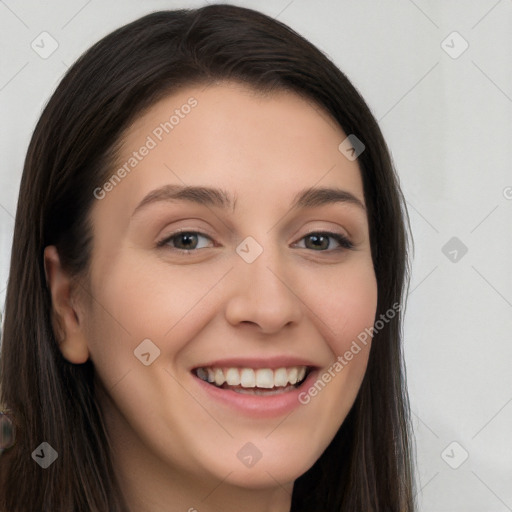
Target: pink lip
(257,406)
(260,362)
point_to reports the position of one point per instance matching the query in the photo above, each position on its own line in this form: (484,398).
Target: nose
(263,295)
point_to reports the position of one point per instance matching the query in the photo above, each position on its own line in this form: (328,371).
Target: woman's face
(251,291)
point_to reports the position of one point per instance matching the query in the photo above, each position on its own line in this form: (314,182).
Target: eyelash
(344,242)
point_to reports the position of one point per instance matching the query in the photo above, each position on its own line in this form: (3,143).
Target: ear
(67,326)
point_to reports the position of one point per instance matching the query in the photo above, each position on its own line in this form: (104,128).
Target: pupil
(315,240)
(187,236)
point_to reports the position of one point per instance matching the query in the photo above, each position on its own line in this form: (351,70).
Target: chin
(276,470)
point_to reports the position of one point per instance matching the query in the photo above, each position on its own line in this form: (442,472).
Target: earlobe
(68,329)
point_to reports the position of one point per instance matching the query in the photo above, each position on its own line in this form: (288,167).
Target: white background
(448,122)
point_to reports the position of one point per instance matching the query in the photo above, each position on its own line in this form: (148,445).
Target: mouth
(254,381)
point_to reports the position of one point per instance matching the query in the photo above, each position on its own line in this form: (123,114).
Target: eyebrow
(220,198)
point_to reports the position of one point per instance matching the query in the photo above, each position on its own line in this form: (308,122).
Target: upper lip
(258,362)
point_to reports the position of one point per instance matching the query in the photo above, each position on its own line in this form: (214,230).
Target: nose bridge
(262,294)
(263,262)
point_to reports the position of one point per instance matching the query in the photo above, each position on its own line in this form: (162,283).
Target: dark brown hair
(368,465)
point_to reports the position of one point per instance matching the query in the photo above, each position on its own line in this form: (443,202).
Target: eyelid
(162,242)
(344,241)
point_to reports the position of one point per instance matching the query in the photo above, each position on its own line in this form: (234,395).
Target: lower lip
(259,406)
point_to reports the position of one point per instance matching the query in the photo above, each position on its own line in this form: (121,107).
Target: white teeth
(253,391)
(264,378)
(233,377)
(281,377)
(292,375)
(247,378)
(219,377)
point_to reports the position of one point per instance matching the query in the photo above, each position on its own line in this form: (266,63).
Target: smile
(256,387)
(262,381)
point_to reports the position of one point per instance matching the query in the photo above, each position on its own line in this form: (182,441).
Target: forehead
(227,135)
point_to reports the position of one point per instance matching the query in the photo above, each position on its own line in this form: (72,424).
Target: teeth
(264,378)
(254,391)
(233,377)
(202,373)
(219,377)
(281,377)
(292,375)
(247,378)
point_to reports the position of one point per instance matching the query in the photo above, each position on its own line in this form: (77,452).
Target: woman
(253,372)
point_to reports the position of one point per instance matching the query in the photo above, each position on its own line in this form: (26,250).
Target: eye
(320,240)
(187,241)
(183,241)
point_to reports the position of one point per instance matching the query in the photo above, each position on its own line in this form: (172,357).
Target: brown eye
(185,241)
(320,241)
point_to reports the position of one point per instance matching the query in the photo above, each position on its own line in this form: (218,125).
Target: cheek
(136,299)
(346,304)
(146,298)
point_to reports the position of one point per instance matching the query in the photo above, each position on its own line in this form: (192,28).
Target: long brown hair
(368,465)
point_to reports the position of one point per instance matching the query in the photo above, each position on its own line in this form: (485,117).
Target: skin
(173,448)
